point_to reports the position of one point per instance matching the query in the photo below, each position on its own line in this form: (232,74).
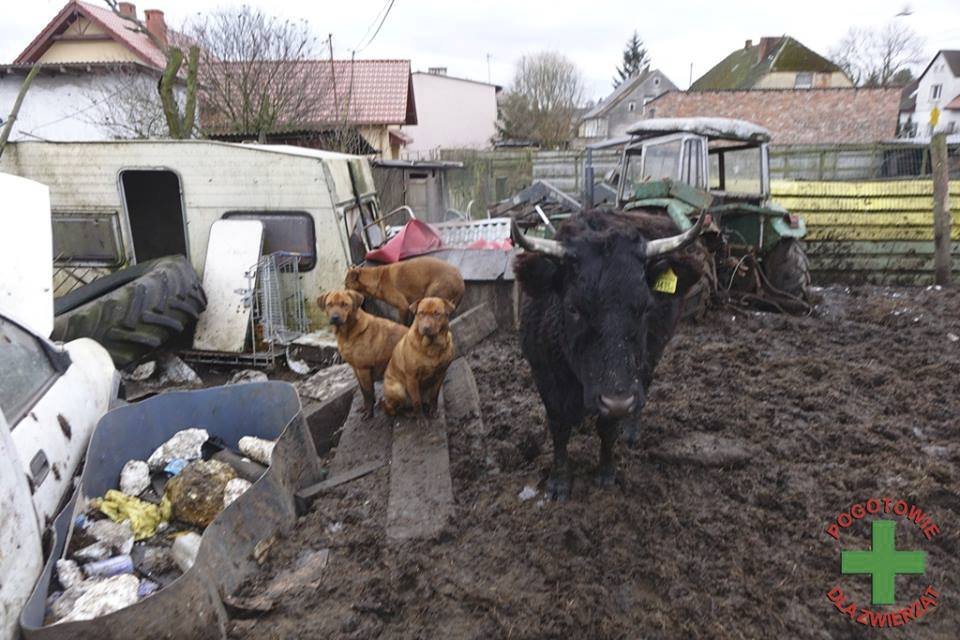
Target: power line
(380,26)
(372,23)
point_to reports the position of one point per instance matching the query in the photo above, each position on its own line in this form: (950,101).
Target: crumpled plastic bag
(144,517)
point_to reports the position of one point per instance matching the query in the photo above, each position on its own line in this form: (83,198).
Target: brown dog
(403,283)
(420,360)
(365,341)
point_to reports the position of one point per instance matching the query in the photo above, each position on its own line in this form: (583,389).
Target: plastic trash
(147,587)
(184,444)
(109,567)
(196,495)
(103,596)
(95,551)
(143,516)
(134,477)
(68,573)
(174,467)
(118,536)
(185,549)
(234,489)
(216,449)
(247,375)
(527,493)
(257,448)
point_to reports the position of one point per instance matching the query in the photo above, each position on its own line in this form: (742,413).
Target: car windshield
(660,160)
(741,171)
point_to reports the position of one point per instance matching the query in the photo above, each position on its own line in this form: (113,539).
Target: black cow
(593,327)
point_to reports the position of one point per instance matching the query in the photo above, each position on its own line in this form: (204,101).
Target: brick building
(795,116)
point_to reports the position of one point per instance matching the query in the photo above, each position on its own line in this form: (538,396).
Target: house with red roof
(359,106)
(97,78)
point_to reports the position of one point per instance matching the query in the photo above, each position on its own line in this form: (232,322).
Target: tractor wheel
(133,311)
(788,270)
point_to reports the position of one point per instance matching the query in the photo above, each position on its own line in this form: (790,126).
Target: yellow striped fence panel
(876,231)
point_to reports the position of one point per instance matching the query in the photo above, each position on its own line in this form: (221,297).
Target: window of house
(631,106)
(656,82)
(935,91)
(87,239)
(290,231)
(803,80)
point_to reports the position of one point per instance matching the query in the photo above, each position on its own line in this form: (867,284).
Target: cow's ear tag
(667,282)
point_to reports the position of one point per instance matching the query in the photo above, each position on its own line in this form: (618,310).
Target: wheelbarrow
(191,606)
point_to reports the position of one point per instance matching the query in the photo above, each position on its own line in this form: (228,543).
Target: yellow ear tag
(667,282)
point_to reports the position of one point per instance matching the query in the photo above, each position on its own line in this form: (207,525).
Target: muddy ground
(811,414)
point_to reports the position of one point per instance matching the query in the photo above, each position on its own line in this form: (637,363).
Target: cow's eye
(573,312)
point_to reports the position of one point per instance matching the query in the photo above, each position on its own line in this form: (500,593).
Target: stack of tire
(134,311)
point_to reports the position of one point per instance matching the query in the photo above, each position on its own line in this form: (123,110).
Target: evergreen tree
(635,60)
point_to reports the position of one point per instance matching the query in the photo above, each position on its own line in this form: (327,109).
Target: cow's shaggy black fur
(592,325)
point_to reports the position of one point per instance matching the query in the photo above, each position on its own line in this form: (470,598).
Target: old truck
(678,167)
(720,165)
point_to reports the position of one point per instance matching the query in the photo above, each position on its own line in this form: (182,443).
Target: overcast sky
(460,35)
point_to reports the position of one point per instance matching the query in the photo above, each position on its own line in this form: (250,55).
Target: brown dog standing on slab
(365,341)
(420,360)
(403,283)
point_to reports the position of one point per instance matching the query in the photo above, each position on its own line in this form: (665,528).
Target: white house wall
(938,73)
(451,113)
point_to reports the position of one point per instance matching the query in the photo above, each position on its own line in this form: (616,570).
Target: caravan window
(290,231)
(87,239)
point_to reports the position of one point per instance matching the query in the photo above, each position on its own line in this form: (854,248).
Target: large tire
(788,270)
(133,311)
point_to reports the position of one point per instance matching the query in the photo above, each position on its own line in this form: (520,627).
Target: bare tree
(541,104)
(126,103)
(12,118)
(179,124)
(879,57)
(256,73)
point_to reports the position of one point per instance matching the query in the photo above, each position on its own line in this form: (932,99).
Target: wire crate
(278,316)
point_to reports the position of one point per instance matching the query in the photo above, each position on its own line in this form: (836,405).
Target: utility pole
(488,69)
(690,82)
(942,223)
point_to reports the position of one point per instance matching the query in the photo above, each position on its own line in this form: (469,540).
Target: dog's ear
(322,300)
(413,308)
(449,306)
(357,298)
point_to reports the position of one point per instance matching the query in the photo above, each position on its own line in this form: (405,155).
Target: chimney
(127,9)
(747,44)
(766,46)
(437,71)
(156,25)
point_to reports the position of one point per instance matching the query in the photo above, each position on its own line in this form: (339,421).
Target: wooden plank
(362,441)
(875,233)
(890,263)
(233,248)
(878,247)
(421,491)
(835,219)
(864,204)
(857,189)
(471,327)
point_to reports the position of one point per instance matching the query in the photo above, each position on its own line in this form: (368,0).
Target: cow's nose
(616,407)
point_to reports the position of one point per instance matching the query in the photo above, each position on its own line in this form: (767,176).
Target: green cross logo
(883,562)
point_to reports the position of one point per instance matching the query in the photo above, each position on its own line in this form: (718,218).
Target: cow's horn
(537,245)
(666,245)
